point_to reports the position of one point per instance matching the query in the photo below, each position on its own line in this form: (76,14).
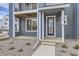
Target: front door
(50,26)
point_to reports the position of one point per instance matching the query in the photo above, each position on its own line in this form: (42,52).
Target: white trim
(39,25)
(55,7)
(37,22)
(62,23)
(13,23)
(54,26)
(43,25)
(26,25)
(26,11)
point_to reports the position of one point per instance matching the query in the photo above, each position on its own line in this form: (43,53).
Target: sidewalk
(45,50)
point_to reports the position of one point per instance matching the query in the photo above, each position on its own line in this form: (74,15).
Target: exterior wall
(69,27)
(75,21)
(58,27)
(11,34)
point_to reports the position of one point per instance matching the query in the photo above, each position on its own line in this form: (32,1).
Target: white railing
(36,44)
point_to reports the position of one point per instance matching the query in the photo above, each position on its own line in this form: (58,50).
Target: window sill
(31,31)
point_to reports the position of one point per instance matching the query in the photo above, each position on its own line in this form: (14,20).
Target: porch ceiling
(26,15)
(54,11)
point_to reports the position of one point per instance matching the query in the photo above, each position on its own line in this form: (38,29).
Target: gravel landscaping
(69,48)
(16,47)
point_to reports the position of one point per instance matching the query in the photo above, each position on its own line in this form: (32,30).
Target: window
(16,28)
(17,25)
(31,24)
(6,23)
(16,6)
(6,19)
(28,6)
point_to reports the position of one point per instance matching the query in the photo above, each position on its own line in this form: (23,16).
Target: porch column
(37,22)
(62,23)
(42,25)
(11,20)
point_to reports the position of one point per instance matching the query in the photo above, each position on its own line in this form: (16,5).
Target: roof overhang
(55,7)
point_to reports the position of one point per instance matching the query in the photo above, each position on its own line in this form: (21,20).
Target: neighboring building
(4,23)
(44,20)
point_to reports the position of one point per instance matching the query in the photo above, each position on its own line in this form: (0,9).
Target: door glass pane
(50,26)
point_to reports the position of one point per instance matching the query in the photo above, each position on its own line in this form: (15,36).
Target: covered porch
(27,26)
(51,24)
(44,29)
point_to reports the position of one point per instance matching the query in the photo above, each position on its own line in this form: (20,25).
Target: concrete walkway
(45,50)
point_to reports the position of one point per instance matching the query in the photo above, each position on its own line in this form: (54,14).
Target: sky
(4,9)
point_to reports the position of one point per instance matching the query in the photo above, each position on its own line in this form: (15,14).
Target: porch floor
(47,39)
(26,37)
(53,39)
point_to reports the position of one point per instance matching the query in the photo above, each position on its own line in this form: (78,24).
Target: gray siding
(74,21)
(11,20)
(77,21)
(69,27)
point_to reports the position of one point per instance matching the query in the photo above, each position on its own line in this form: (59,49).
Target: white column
(62,23)
(13,22)
(42,25)
(13,26)
(37,25)
(37,21)
(39,13)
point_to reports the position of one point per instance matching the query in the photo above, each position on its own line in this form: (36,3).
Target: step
(52,41)
(47,43)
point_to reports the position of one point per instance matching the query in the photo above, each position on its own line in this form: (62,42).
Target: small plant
(64,46)
(11,42)
(76,46)
(73,54)
(27,43)
(11,48)
(20,50)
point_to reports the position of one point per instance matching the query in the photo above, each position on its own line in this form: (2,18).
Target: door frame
(54,26)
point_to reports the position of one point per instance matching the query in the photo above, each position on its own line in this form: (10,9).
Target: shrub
(64,46)
(11,48)
(20,50)
(76,46)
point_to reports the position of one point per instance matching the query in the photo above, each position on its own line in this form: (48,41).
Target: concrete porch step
(52,41)
(48,43)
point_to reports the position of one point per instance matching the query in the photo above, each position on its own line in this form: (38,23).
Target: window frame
(31,25)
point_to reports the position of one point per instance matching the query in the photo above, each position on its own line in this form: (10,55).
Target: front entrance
(50,26)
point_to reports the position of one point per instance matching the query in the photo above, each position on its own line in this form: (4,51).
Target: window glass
(17,24)
(31,24)
(28,24)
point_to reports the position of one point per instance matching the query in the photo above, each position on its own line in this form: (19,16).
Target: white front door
(50,26)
